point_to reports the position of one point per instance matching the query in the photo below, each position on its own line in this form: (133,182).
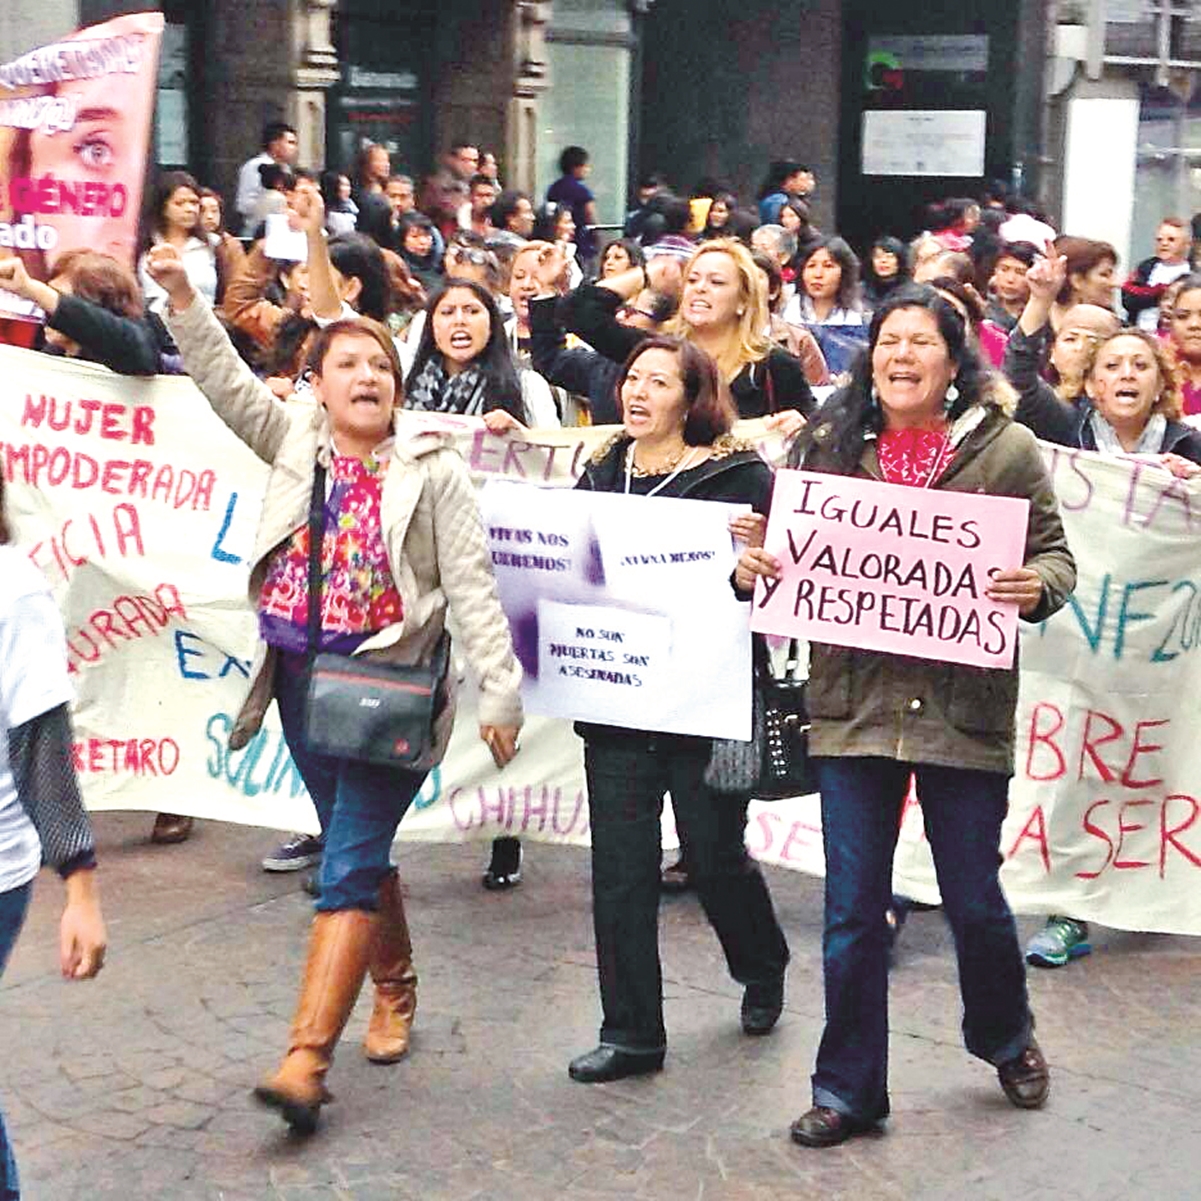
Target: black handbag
(784,767)
(365,709)
(774,763)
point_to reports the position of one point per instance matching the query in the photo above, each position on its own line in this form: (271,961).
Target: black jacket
(579,369)
(734,474)
(776,383)
(1066,422)
(126,345)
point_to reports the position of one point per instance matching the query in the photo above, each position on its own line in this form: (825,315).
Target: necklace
(681,462)
(668,464)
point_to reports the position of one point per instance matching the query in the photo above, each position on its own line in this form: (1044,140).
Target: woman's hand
(551,269)
(749,528)
(1021,586)
(753,563)
(310,213)
(1179,466)
(789,422)
(14,278)
(501,421)
(665,275)
(502,742)
(165,266)
(82,939)
(1046,277)
(281,386)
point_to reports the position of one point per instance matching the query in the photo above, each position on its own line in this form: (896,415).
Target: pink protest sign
(889,568)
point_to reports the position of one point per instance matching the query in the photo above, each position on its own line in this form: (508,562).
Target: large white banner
(140,507)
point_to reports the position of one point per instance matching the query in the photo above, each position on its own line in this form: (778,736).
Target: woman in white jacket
(402,541)
(175,220)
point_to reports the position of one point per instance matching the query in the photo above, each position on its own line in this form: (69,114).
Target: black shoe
(762,1004)
(825,1127)
(610,1063)
(300,851)
(505,869)
(676,877)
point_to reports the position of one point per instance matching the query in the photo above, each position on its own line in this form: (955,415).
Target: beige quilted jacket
(431,524)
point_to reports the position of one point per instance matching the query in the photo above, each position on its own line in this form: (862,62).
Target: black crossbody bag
(364,709)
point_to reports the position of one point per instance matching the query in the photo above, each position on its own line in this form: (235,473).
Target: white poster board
(924,142)
(616,604)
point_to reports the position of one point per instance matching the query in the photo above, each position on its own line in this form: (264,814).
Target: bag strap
(316,540)
(770,383)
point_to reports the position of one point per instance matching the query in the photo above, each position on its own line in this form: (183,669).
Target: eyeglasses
(469,254)
(632,310)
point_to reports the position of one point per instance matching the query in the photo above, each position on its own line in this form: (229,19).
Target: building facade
(891,105)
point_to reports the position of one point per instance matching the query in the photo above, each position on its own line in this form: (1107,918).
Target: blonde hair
(1168,402)
(748,342)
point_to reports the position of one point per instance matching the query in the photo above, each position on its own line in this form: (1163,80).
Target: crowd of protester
(935,359)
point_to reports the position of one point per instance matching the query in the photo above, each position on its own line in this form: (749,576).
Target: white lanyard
(684,463)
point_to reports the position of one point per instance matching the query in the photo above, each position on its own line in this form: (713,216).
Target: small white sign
(924,142)
(282,242)
(601,662)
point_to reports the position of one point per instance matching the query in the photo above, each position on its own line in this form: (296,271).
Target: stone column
(531,77)
(316,71)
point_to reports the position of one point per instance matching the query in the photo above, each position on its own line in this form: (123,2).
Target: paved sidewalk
(136,1086)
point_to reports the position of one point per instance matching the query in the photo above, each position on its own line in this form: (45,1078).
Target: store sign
(931,52)
(928,142)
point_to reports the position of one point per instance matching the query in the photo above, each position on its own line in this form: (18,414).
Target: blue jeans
(963,810)
(359,805)
(13,906)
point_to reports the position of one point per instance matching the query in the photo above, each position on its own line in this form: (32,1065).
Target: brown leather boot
(339,948)
(395,980)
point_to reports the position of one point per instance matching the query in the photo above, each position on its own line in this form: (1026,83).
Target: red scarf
(914,457)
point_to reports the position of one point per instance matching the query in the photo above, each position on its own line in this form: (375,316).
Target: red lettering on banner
(802,835)
(1046,738)
(1036,830)
(1139,748)
(1124,829)
(1168,832)
(1088,746)
(45,467)
(1167,836)
(71,547)
(88,642)
(1096,832)
(137,756)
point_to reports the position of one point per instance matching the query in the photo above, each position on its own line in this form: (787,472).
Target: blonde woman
(723,310)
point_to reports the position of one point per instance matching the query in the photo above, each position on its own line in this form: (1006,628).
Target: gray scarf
(1150,441)
(437,392)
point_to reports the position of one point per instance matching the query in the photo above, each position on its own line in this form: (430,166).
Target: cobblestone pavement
(136,1086)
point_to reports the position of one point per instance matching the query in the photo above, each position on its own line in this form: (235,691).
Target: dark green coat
(925,711)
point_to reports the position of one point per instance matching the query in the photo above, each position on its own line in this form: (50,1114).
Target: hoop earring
(952,395)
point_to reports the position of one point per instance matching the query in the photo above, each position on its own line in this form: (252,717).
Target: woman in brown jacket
(921,410)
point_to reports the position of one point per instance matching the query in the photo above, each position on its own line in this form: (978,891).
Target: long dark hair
(165,186)
(879,288)
(844,422)
(502,386)
(354,255)
(358,256)
(849,294)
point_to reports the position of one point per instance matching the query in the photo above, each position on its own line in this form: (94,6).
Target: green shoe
(1059,941)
